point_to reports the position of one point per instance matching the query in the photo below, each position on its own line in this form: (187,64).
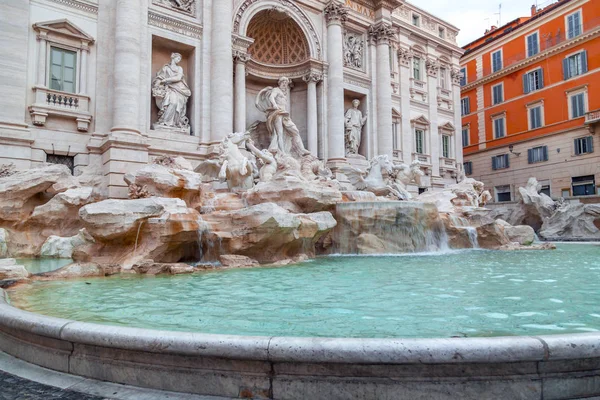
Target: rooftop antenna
(499,14)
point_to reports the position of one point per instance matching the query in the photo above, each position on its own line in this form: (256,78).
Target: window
(502,193)
(577,105)
(537,154)
(415,20)
(500,162)
(445,146)
(419,141)
(575,65)
(465,106)
(62,69)
(546,190)
(395,135)
(584,145)
(499,128)
(533,45)
(465,137)
(69,161)
(417,68)
(468,167)
(533,80)
(583,185)
(574,25)
(496,60)
(463,76)
(443,78)
(535,117)
(441,32)
(497,94)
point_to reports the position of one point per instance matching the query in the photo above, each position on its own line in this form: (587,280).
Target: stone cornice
(79,5)
(532,60)
(390,5)
(174,25)
(382,32)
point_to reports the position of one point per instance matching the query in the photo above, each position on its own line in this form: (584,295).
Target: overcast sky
(473,17)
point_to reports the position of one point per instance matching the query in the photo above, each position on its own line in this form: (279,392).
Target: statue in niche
(354,124)
(285,136)
(353,51)
(171,94)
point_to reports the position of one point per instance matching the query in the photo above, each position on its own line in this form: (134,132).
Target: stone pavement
(14,388)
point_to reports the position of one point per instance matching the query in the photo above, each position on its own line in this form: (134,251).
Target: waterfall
(462,224)
(387,227)
(472,231)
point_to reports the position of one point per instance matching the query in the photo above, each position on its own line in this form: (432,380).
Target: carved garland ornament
(285,3)
(186,6)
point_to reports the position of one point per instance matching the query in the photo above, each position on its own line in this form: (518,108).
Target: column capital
(313,76)
(432,67)
(382,32)
(455,74)
(404,56)
(240,56)
(336,13)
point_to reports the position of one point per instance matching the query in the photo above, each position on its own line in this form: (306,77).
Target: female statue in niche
(171,93)
(285,136)
(354,125)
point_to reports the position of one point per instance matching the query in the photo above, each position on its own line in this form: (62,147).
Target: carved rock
(573,221)
(267,232)
(149,267)
(492,235)
(3,243)
(237,261)
(10,270)
(62,247)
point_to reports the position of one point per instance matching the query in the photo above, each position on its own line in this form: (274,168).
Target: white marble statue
(403,175)
(354,125)
(231,166)
(269,162)
(353,51)
(171,94)
(285,136)
(373,180)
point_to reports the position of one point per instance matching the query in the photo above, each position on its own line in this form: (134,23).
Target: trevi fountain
(260,273)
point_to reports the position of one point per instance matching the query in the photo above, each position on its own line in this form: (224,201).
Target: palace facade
(531,102)
(98,84)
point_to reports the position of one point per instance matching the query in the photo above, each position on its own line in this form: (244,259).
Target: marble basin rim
(62,344)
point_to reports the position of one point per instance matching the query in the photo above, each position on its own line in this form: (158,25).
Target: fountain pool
(469,293)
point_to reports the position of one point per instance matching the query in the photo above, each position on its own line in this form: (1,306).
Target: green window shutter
(530,156)
(584,64)
(590,144)
(575,144)
(494,163)
(525,84)
(541,72)
(545,151)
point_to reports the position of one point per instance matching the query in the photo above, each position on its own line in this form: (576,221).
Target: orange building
(530,102)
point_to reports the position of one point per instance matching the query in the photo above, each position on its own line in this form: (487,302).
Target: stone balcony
(418,90)
(49,103)
(425,160)
(448,165)
(592,118)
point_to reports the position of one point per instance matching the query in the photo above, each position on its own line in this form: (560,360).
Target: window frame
(417,62)
(443,78)
(441,32)
(76,71)
(469,170)
(506,161)
(540,81)
(463,76)
(568,35)
(423,149)
(583,183)
(501,59)
(532,152)
(497,192)
(582,54)
(466,129)
(532,106)
(416,18)
(537,34)
(573,93)
(501,93)
(462,108)
(589,143)
(494,129)
(446,146)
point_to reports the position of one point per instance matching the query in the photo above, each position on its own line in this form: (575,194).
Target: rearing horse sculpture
(372,180)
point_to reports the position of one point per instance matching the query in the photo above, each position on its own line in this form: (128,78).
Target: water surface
(463,293)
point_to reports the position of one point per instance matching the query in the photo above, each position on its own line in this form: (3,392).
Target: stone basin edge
(306,349)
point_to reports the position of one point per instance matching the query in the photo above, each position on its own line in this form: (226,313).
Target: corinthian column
(383,33)
(312,126)
(221,87)
(126,72)
(335,14)
(240,58)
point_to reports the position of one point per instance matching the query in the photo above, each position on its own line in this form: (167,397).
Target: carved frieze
(354,46)
(174,25)
(455,74)
(432,67)
(240,56)
(404,56)
(335,12)
(185,6)
(313,77)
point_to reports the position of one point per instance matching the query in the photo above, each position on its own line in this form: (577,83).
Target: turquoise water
(39,265)
(465,293)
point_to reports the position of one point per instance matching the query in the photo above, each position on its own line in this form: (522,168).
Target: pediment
(396,113)
(447,127)
(420,120)
(63,27)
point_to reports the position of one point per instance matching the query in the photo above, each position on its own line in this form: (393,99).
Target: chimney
(533,10)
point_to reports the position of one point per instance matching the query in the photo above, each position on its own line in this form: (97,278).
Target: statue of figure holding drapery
(171,93)
(285,136)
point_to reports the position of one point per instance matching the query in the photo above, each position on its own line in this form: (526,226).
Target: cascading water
(386,227)
(463,224)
